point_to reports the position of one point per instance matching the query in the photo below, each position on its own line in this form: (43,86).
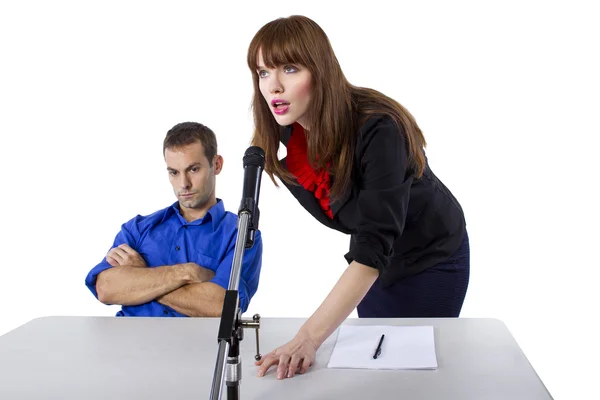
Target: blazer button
(177,247)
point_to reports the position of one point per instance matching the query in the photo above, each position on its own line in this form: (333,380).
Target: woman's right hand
(296,356)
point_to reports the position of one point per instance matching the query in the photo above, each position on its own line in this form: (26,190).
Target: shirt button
(177,247)
(165,312)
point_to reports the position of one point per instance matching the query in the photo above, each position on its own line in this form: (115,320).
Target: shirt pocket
(205,261)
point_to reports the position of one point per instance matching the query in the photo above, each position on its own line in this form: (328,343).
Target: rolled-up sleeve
(384,188)
(129,234)
(249,275)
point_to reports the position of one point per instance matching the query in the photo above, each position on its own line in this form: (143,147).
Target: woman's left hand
(297,355)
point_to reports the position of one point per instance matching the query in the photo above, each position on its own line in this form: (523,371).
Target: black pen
(378,351)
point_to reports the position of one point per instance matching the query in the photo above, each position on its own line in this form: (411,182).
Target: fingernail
(279,375)
(290,374)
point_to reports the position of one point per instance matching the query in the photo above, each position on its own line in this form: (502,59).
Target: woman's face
(287,91)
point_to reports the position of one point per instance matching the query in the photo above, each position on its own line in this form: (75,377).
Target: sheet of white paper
(404,347)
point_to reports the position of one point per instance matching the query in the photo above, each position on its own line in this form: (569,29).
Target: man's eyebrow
(186,168)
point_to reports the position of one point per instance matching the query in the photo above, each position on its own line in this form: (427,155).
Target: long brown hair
(336,110)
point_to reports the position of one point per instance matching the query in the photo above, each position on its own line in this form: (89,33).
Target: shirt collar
(214,215)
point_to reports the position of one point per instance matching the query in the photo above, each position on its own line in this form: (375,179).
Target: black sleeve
(384,187)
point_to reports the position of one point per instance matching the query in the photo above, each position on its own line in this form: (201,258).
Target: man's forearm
(130,286)
(203,299)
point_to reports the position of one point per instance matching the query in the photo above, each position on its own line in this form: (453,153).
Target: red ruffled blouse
(297,163)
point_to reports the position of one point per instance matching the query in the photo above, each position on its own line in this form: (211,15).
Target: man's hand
(197,273)
(125,255)
(198,297)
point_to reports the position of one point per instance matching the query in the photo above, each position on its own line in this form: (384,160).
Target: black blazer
(398,224)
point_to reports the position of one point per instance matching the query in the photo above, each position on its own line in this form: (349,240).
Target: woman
(355,161)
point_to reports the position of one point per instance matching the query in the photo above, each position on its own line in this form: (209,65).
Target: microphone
(254,163)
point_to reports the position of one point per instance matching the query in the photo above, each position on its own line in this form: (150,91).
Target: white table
(174,358)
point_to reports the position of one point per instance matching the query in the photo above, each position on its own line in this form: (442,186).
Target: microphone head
(254,157)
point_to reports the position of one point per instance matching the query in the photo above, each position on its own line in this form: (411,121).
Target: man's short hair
(186,133)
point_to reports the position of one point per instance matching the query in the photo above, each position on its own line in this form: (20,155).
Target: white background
(507,94)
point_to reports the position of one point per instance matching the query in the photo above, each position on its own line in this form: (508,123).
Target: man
(177,261)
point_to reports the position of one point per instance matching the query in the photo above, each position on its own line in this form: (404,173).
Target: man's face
(192,176)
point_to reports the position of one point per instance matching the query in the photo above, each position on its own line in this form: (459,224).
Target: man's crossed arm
(183,287)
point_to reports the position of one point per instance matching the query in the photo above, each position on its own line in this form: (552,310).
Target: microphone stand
(228,367)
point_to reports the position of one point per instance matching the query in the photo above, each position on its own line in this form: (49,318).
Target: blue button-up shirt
(166,238)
